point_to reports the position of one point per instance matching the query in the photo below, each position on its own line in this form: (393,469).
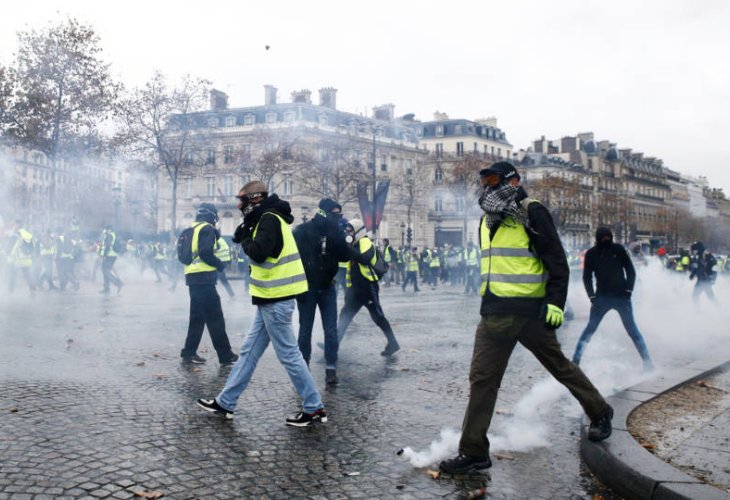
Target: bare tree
(409,188)
(58,91)
(160,128)
(565,197)
(462,179)
(335,172)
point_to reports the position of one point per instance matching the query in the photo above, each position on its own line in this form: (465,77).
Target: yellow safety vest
(198,266)
(364,244)
(435,261)
(471,257)
(508,268)
(48,250)
(282,276)
(412,263)
(17,256)
(222,250)
(386,254)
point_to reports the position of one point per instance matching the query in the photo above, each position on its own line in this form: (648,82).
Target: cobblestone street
(96,403)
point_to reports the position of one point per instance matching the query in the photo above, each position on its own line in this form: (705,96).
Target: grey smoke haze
(653,76)
(673,327)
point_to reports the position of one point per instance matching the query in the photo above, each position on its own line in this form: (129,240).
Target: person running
(277,277)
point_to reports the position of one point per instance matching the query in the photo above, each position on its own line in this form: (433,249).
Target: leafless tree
(160,128)
(566,198)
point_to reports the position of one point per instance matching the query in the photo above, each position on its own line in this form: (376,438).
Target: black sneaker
(194,359)
(464,463)
(303,419)
(212,406)
(330,376)
(229,360)
(600,428)
(390,349)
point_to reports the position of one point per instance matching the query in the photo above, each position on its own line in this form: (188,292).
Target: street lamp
(375,182)
(402,234)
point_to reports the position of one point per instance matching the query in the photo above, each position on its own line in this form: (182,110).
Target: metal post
(374,183)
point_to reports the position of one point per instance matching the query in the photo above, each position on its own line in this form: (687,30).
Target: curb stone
(622,464)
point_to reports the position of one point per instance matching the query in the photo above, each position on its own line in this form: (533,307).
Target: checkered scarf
(497,202)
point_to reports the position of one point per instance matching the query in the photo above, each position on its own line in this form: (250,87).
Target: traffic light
(409,234)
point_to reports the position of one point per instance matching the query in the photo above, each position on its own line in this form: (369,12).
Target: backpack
(380,267)
(185,246)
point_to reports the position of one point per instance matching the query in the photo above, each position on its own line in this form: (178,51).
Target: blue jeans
(601,305)
(307,303)
(272,323)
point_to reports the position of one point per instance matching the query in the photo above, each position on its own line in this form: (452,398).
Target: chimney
(439,116)
(328,97)
(385,113)
(218,100)
(270,95)
(301,97)
(489,121)
(568,144)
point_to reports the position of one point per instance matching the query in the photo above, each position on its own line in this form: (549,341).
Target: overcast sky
(653,76)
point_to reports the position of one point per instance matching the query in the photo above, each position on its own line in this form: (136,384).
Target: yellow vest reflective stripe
(364,244)
(47,251)
(111,253)
(222,250)
(343,265)
(386,254)
(198,266)
(282,276)
(435,261)
(508,268)
(412,263)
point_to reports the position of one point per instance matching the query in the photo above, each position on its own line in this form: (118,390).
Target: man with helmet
(277,278)
(205,304)
(524,286)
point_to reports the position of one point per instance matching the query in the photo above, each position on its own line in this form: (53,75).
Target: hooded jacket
(612,266)
(269,241)
(321,246)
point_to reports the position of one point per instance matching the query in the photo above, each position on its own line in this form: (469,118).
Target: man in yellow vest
(223,252)
(524,286)
(471,258)
(201,276)
(411,262)
(108,257)
(362,287)
(21,258)
(277,277)
(47,254)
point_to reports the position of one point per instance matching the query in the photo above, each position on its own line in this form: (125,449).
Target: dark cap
(207,212)
(503,168)
(328,205)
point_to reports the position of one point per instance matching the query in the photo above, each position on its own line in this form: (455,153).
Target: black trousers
(107,269)
(355,299)
(205,310)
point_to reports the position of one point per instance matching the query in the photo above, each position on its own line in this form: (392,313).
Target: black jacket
(268,241)
(544,244)
(613,269)
(321,246)
(206,249)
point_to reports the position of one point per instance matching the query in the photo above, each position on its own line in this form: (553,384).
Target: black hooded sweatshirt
(611,264)
(321,246)
(268,241)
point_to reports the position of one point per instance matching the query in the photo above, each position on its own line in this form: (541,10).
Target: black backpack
(380,267)
(185,245)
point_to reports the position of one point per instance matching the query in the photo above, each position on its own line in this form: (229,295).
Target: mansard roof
(460,128)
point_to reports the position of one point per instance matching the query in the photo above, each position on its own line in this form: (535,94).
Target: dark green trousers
(496,337)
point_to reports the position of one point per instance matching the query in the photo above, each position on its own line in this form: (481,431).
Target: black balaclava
(604,237)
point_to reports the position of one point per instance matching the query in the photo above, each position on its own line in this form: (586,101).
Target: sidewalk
(684,421)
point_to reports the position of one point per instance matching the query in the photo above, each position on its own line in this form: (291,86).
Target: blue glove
(553,316)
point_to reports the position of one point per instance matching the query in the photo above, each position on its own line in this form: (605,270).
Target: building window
(499,152)
(409,167)
(419,132)
(439,130)
(288,187)
(476,147)
(249,120)
(228,154)
(323,120)
(459,149)
(212,122)
(211,157)
(188,159)
(438,205)
(460,204)
(439,150)
(228,185)
(270,117)
(210,185)
(289,116)
(188,187)
(230,121)
(439,175)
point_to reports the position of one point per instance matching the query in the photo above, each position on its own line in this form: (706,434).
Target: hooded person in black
(322,246)
(615,278)
(702,269)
